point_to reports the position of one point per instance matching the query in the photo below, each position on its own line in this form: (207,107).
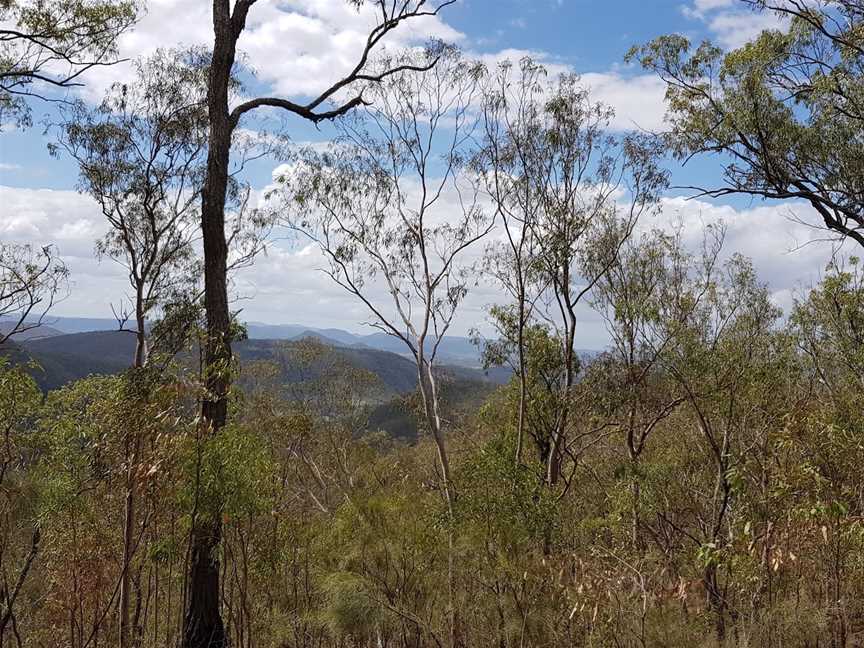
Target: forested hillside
(447,480)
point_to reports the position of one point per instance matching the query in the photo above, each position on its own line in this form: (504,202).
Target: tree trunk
(556,452)
(11,596)
(131,468)
(128,540)
(203,627)
(717,602)
(140,341)
(523,373)
(429,395)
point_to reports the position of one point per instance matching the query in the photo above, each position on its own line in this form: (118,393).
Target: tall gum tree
(203,626)
(555,167)
(140,154)
(391,202)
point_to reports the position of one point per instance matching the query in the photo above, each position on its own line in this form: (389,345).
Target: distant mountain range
(61,358)
(70,348)
(453,349)
(64,357)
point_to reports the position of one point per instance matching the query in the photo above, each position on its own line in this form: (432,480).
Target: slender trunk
(553,465)
(635,521)
(11,596)
(140,342)
(523,378)
(717,602)
(636,488)
(128,540)
(132,449)
(429,394)
(203,627)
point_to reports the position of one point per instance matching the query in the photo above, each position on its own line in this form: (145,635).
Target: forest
(697,482)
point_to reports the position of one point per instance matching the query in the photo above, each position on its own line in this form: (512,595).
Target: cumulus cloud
(731,25)
(72,223)
(297,47)
(788,250)
(638,99)
(287,283)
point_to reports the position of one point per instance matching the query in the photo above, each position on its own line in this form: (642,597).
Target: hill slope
(65,358)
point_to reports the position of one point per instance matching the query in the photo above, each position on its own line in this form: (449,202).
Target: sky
(300,46)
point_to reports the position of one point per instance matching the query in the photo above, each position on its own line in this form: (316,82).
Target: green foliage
(502,502)
(350,611)
(784,109)
(229,474)
(54,41)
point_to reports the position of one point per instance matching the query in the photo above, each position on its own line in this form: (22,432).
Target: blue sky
(298,45)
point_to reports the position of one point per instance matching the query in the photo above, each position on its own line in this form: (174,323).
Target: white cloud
(638,100)
(286,284)
(709,5)
(730,25)
(72,222)
(66,218)
(734,29)
(787,252)
(297,47)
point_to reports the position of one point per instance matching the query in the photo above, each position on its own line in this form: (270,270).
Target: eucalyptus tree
(32,279)
(49,44)
(204,626)
(391,211)
(509,104)
(632,298)
(141,153)
(564,171)
(389,201)
(785,112)
(721,322)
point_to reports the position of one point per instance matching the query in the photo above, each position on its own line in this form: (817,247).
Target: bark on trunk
(556,452)
(128,540)
(523,373)
(429,394)
(203,627)
(717,602)
(131,468)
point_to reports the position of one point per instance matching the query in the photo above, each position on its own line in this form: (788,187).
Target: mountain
(29,334)
(80,324)
(452,350)
(397,374)
(67,357)
(64,358)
